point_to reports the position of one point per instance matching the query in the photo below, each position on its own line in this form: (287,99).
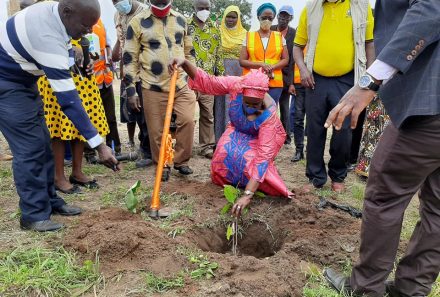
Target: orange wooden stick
(155,201)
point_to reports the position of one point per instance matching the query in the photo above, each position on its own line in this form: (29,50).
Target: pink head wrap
(254,84)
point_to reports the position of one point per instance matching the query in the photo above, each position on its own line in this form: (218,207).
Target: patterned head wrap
(255,84)
(265,6)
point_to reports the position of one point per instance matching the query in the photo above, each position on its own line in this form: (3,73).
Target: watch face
(364,81)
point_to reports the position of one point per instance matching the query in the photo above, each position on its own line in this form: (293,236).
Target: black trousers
(139,117)
(298,117)
(320,101)
(356,138)
(24,127)
(285,111)
(405,161)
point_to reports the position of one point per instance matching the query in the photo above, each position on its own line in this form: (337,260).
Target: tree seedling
(205,267)
(131,201)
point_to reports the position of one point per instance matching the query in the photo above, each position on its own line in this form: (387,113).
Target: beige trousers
(206,121)
(155,104)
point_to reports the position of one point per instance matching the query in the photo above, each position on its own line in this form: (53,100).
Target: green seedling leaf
(231,193)
(130,198)
(229,232)
(226,208)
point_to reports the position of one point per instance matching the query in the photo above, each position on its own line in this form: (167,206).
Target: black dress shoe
(67,210)
(338,282)
(40,226)
(298,156)
(185,170)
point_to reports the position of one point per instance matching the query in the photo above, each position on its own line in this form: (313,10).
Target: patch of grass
(5,172)
(435,289)
(176,232)
(358,191)
(157,284)
(115,196)
(410,220)
(96,169)
(44,272)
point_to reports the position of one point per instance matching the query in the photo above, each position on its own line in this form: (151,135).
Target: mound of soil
(124,242)
(278,235)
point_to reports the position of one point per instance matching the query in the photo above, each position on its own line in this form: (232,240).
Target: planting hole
(258,240)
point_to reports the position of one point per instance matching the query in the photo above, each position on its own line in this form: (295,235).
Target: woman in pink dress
(245,153)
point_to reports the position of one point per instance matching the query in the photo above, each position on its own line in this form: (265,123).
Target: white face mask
(332,1)
(203,15)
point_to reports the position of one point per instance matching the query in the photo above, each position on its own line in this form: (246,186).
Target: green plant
(44,272)
(176,232)
(131,201)
(205,268)
(157,284)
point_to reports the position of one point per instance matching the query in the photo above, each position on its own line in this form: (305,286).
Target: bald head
(79,16)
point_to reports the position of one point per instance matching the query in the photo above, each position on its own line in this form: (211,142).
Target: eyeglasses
(266,18)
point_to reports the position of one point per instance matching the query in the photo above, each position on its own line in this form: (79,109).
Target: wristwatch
(248,193)
(367,82)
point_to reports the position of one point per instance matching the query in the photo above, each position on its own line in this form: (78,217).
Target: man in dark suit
(407,158)
(285,16)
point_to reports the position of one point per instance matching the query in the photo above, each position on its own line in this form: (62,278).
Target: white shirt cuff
(95,141)
(381,71)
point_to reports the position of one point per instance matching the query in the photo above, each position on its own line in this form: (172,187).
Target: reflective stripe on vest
(102,72)
(272,54)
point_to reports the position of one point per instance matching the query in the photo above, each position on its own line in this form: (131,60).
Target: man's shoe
(297,157)
(338,282)
(185,170)
(207,153)
(67,210)
(287,141)
(144,163)
(40,226)
(338,187)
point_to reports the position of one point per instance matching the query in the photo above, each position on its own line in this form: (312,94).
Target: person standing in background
(266,49)
(285,16)
(104,80)
(297,114)
(339,40)
(208,55)
(154,36)
(126,11)
(232,35)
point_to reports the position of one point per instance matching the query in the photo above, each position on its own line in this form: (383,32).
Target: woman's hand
(241,204)
(175,63)
(267,68)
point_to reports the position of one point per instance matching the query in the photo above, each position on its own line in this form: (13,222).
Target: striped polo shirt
(34,42)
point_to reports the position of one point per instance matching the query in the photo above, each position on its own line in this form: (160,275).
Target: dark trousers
(275,93)
(320,101)
(405,160)
(108,102)
(356,138)
(23,125)
(299,107)
(285,111)
(139,117)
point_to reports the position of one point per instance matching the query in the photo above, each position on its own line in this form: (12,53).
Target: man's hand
(174,64)
(240,205)
(307,79)
(106,157)
(292,90)
(353,103)
(134,103)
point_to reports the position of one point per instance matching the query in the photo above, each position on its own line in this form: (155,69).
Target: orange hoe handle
(155,202)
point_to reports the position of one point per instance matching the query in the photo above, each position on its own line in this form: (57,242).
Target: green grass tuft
(44,272)
(157,284)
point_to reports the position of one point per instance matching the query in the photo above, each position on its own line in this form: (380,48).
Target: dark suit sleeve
(419,28)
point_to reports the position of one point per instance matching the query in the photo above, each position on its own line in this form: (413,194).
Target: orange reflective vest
(102,72)
(272,54)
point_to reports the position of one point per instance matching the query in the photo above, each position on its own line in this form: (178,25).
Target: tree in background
(186,8)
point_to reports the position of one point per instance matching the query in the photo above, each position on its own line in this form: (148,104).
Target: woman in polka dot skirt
(61,129)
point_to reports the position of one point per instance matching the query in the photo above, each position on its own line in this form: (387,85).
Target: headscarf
(232,38)
(265,6)
(254,84)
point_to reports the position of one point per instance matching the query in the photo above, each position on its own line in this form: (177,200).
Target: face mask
(250,110)
(332,1)
(124,7)
(160,12)
(265,25)
(203,15)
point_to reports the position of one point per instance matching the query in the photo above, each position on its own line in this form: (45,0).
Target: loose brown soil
(278,235)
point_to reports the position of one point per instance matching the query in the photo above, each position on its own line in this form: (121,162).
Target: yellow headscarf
(232,38)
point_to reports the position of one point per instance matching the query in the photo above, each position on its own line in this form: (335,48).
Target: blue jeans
(275,93)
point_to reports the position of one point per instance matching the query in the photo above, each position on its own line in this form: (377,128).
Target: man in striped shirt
(34,42)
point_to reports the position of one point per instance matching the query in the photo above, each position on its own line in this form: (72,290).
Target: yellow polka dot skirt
(58,123)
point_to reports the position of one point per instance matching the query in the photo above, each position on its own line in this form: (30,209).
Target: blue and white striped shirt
(33,43)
